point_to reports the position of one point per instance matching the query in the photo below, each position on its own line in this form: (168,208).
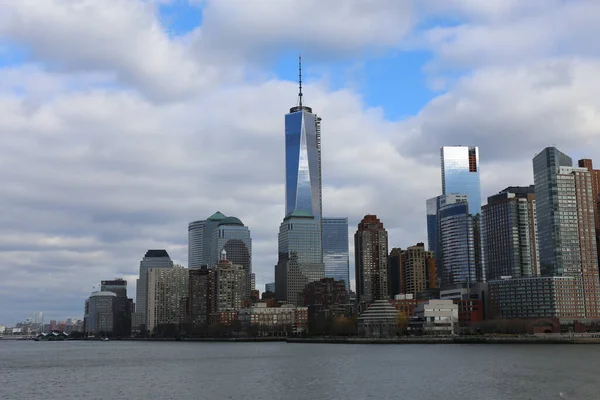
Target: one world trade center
(303,160)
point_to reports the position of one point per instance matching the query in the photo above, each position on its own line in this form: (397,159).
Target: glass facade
(457,245)
(195,244)
(460,174)
(233,237)
(300,256)
(553,209)
(335,249)
(509,234)
(303,162)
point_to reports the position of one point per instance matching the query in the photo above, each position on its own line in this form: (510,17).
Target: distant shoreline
(483,339)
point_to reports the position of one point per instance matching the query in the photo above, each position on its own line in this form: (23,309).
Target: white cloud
(327,28)
(95,171)
(119,37)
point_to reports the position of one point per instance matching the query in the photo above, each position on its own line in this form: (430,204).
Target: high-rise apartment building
(460,174)
(510,234)
(457,247)
(566,224)
(199,297)
(418,270)
(395,273)
(335,249)
(229,285)
(300,258)
(232,236)
(555,218)
(196,244)
(303,188)
(371,256)
(595,174)
(167,291)
(152,259)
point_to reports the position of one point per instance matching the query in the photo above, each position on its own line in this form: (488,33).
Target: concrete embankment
(454,340)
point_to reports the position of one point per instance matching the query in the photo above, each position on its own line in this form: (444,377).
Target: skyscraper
(457,247)
(371,253)
(303,160)
(152,259)
(196,244)
(587,163)
(210,226)
(167,291)
(232,236)
(510,234)
(556,215)
(460,174)
(300,258)
(418,270)
(335,249)
(122,323)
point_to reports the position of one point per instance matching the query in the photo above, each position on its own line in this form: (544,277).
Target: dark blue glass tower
(303,160)
(335,249)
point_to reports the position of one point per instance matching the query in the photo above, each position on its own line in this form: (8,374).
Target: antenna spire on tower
(300,80)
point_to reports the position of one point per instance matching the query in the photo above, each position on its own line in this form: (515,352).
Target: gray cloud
(95,170)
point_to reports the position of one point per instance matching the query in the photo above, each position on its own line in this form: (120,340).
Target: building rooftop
(157,253)
(231,221)
(218,216)
(299,214)
(380,309)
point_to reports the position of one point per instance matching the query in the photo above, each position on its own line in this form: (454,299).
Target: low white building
(438,317)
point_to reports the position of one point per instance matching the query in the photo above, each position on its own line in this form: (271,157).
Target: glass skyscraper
(457,245)
(303,161)
(335,249)
(460,174)
(300,256)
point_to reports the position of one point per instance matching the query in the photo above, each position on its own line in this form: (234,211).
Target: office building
(433,206)
(335,249)
(300,258)
(270,287)
(510,234)
(153,259)
(457,247)
(303,188)
(460,174)
(232,236)
(536,297)
(371,253)
(196,244)
(122,325)
(100,312)
(167,293)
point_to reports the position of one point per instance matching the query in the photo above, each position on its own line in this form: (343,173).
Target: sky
(124,120)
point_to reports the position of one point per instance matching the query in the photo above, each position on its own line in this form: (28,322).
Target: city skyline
(111,153)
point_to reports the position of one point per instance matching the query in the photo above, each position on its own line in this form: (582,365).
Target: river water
(180,370)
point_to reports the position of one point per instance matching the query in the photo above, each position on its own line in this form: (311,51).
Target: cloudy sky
(123,120)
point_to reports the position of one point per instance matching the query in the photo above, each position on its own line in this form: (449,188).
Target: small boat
(105,339)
